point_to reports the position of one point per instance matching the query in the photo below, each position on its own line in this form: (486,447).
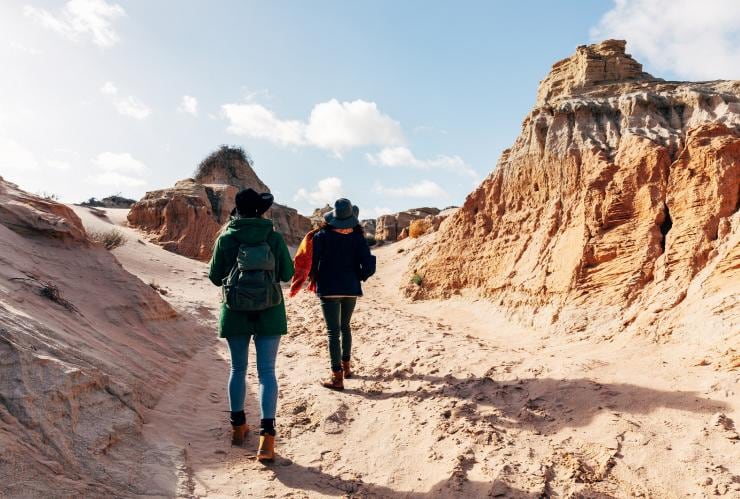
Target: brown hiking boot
(237,438)
(347,369)
(336,382)
(266,451)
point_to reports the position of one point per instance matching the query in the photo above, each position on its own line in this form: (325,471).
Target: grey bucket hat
(344,215)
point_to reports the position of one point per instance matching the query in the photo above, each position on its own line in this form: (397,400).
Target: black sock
(267,427)
(238,418)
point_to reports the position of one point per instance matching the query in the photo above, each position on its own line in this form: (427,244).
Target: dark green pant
(337,314)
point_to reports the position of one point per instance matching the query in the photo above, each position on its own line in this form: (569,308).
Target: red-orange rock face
(619,191)
(187,218)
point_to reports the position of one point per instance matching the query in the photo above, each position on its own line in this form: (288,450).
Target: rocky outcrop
(369,225)
(183,219)
(86,349)
(389,227)
(619,198)
(35,216)
(187,218)
(229,166)
(591,65)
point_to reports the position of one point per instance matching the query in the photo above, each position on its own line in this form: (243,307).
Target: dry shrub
(110,239)
(48,290)
(159,289)
(418,228)
(226,158)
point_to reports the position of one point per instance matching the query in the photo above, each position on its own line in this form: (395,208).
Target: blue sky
(392,104)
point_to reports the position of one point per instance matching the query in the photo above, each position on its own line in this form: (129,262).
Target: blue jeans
(266,349)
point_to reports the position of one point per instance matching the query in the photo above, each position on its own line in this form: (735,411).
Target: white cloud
(116,180)
(127,106)
(19,47)
(327,191)
(58,165)
(15,157)
(425,189)
(334,126)
(189,105)
(695,40)
(402,156)
(89,18)
(119,162)
(256,121)
(109,88)
(130,106)
(339,126)
(118,169)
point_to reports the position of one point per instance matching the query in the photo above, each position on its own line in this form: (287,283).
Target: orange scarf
(302,261)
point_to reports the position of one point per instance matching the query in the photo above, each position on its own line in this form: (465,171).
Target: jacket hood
(249,230)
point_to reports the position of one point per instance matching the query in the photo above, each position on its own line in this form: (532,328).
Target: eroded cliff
(618,199)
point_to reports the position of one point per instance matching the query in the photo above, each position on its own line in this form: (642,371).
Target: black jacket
(340,262)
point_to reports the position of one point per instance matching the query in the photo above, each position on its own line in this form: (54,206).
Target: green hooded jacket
(268,322)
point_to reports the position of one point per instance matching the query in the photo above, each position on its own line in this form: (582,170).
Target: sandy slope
(451,400)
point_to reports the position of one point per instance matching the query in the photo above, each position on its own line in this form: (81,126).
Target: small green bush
(110,239)
(417,279)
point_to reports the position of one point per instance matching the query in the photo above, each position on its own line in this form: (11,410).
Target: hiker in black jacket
(341,260)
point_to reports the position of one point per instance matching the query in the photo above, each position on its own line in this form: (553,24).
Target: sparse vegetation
(225,158)
(159,289)
(49,196)
(110,239)
(417,279)
(114,201)
(418,228)
(50,291)
(370,239)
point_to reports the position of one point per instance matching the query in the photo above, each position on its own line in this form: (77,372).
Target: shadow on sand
(543,404)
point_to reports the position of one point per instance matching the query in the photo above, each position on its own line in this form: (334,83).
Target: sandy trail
(451,400)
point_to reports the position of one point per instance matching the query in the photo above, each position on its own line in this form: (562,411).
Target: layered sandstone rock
(390,227)
(187,218)
(620,192)
(32,215)
(86,349)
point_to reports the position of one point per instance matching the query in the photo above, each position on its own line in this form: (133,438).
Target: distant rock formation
(369,225)
(389,227)
(115,201)
(618,200)
(187,218)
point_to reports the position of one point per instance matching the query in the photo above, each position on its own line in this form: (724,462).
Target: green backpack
(251,285)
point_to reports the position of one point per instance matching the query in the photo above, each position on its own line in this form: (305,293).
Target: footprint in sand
(214,397)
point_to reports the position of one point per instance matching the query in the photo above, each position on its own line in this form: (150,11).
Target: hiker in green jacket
(249,260)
